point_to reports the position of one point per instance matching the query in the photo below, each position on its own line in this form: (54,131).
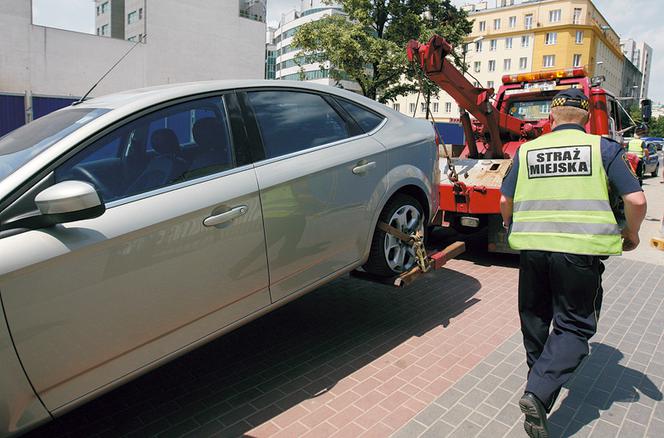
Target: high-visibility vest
(561,202)
(635,146)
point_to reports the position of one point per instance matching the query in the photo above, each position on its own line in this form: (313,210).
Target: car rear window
(292,121)
(368,120)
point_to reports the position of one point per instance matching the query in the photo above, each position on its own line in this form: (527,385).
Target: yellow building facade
(532,36)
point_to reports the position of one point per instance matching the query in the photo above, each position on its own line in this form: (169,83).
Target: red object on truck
(503,120)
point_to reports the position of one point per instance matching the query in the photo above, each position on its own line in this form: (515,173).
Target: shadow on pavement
(258,371)
(587,396)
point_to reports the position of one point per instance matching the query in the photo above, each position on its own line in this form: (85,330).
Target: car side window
(368,120)
(171,145)
(292,121)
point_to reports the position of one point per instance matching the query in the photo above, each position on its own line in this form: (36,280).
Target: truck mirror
(646,110)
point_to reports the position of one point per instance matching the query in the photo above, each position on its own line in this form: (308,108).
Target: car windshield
(21,145)
(530,110)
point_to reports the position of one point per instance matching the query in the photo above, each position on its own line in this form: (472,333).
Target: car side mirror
(69,201)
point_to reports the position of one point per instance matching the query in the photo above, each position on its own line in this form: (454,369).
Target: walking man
(637,147)
(556,203)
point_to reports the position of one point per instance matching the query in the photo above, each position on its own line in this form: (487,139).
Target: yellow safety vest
(561,201)
(635,146)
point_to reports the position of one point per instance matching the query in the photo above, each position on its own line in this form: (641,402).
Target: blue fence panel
(450,133)
(12,114)
(44,105)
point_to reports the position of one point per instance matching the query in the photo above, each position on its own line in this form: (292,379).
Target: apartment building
(290,65)
(639,54)
(531,36)
(122,19)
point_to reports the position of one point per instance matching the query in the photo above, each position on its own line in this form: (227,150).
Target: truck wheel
(390,256)
(656,171)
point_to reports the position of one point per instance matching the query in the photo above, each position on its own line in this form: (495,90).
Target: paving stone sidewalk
(617,392)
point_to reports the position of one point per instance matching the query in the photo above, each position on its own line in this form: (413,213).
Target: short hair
(569,114)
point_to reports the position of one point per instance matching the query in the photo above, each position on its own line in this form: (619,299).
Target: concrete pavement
(651,226)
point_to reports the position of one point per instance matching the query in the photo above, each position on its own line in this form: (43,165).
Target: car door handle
(226,216)
(363,167)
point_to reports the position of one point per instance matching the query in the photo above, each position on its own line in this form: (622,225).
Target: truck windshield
(531,109)
(21,145)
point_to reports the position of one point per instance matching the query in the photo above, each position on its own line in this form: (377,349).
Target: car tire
(656,171)
(389,256)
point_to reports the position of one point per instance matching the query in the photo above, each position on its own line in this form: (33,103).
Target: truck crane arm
(475,100)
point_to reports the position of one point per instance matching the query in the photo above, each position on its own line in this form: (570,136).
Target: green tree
(370,46)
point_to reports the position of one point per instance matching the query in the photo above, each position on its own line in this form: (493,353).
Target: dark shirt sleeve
(621,177)
(508,187)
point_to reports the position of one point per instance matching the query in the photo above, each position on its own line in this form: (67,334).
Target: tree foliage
(370,46)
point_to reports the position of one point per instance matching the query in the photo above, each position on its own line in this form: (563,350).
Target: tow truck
(470,183)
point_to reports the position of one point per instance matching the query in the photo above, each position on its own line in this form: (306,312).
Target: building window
(523,63)
(513,22)
(411,107)
(478,66)
(435,107)
(396,107)
(528,21)
(549,60)
(489,84)
(508,43)
(104,30)
(478,46)
(551,38)
(525,41)
(576,18)
(507,64)
(577,60)
(579,37)
(423,107)
(97,10)
(448,107)
(98,31)
(493,44)
(253,10)
(496,24)
(132,17)
(492,65)
(482,26)
(140,13)
(554,16)
(104,7)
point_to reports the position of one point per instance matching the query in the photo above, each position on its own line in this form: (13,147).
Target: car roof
(144,97)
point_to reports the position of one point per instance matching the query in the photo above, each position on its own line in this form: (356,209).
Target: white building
(187,41)
(292,66)
(640,54)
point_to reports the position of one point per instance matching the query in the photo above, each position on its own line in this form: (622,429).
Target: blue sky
(638,19)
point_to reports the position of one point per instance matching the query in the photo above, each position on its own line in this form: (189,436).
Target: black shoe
(535,423)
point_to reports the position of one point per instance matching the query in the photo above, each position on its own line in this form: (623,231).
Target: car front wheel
(390,256)
(656,171)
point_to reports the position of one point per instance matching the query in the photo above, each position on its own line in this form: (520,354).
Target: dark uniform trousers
(563,290)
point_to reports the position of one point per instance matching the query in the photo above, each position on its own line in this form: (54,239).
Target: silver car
(137,226)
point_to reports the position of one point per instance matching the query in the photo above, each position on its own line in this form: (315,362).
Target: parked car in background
(137,226)
(657,141)
(651,162)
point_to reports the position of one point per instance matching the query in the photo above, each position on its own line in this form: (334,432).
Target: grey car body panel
(317,211)
(143,281)
(19,406)
(106,299)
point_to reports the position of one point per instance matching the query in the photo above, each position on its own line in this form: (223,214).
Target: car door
(174,258)
(319,183)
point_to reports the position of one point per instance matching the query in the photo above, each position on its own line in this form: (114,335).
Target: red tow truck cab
(517,113)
